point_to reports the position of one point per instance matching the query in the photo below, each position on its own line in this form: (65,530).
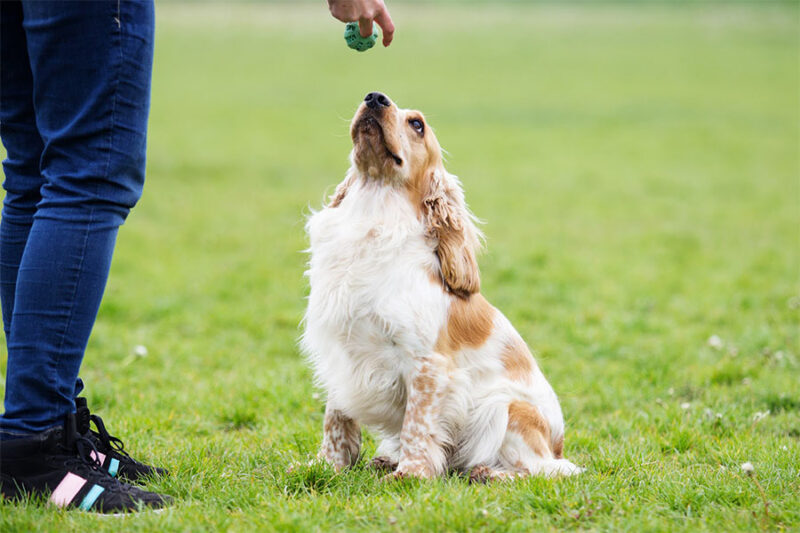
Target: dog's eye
(417,124)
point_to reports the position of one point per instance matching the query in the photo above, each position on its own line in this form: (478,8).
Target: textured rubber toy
(354,39)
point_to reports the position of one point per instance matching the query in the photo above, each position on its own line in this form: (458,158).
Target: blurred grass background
(638,169)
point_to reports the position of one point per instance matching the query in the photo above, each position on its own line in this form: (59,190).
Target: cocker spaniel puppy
(397,331)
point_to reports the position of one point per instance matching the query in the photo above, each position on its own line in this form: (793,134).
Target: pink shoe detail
(66,490)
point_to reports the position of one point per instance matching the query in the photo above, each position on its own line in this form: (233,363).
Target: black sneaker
(58,464)
(110,450)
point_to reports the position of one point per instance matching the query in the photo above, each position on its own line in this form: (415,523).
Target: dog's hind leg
(547,468)
(341,439)
(527,447)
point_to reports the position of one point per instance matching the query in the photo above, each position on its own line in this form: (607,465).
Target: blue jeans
(75,97)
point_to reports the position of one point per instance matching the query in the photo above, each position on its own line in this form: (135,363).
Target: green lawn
(638,171)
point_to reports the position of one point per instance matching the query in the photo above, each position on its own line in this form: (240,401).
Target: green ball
(354,39)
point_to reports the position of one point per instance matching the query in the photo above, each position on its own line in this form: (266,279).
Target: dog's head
(391,143)
(396,147)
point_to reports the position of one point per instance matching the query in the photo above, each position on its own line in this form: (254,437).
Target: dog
(397,331)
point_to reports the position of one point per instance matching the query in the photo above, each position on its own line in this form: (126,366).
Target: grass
(638,171)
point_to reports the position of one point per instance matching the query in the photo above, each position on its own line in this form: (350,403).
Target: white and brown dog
(397,331)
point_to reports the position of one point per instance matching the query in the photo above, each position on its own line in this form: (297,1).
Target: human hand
(365,12)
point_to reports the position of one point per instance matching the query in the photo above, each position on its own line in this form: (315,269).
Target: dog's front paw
(481,474)
(383,463)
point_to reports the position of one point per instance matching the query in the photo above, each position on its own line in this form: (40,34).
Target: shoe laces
(83,454)
(109,440)
(85,460)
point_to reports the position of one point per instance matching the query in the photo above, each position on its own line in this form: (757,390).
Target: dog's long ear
(341,190)
(451,224)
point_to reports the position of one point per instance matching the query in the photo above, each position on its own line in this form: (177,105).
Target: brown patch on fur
(418,188)
(341,439)
(436,279)
(517,360)
(376,140)
(425,387)
(469,323)
(558,447)
(341,191)
(448,222)
(440,205)
(527,421)
(419,436)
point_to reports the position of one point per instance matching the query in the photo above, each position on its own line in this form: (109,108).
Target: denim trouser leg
(74,106)
(19,133)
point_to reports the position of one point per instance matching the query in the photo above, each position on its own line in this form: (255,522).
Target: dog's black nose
(376,100)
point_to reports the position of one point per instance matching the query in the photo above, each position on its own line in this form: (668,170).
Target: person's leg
(23,150)
(91,63)
(90,69)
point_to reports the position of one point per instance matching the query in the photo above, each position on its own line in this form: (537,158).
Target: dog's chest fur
(372,303)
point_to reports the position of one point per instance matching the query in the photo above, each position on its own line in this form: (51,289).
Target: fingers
(365,11)
(338,12)
(384,20)
(365,27)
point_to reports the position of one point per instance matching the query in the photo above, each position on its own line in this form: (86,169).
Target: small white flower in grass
(484,512)
(748,468)
(140,350)
(315,396)
(685,405)
(785,448)
(715,342)
(760,416)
